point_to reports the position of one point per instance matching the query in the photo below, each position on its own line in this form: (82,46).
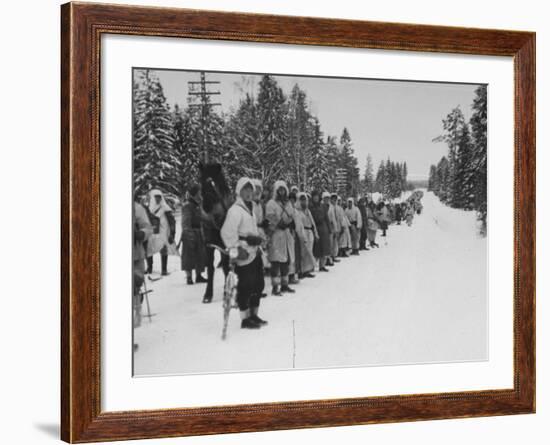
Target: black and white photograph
(296,222)
(285,222)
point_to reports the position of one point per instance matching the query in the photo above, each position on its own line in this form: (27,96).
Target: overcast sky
(396,119)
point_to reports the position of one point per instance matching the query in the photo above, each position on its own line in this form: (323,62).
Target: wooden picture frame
(82,25)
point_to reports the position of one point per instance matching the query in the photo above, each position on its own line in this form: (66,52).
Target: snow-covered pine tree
(443,179)
(348,161)
(368,180)
(155,162)
(298,139)
(452,131)
(272,110)
(194,133)
(463,180)
(432,179)
(380,178)
(399,179)
(319,176)
(214,127)
(478,123)
(333,160)
(186,147)
(460,179)
(242,156)
(397,186)
(389,177)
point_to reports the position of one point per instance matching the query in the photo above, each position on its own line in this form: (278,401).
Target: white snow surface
(421,298)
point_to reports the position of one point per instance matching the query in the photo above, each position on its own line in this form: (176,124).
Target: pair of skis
(229,290)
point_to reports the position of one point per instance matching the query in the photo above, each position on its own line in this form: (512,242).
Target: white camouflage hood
(241,183)
(277,186)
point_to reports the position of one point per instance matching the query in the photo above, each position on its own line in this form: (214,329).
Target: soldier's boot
(164,264)
(285,288)
(275,286)
(254,316)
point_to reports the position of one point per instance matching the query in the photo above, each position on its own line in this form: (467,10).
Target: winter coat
(341,217)
(307,221)
(298,236)
(354,216)
(239,223)
(344,238)
(409,214)
(193,254)
(321,246)
(334,224)
(372,221)
(363,210)
(299,230)
(384,217)
(280,247)
(164,235)
(307,240)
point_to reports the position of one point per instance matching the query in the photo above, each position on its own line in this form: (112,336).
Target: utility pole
(341,181)
(198,89)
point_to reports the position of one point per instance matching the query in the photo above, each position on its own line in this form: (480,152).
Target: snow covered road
(420,298)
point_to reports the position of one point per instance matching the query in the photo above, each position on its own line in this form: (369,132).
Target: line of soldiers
(291,234)
(287,235)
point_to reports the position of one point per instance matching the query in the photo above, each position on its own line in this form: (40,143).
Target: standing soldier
(354,216)
(383,217)
(335,228)
(192,251)
(279,213)
(142,231)
(261,222)
(308,236)
(164,230)
(362,205)
(372,224)
(398,213)
(404,210)
(294,268)
(259,212)
(344,242)
(321,246)
(409,214)
(241,231)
